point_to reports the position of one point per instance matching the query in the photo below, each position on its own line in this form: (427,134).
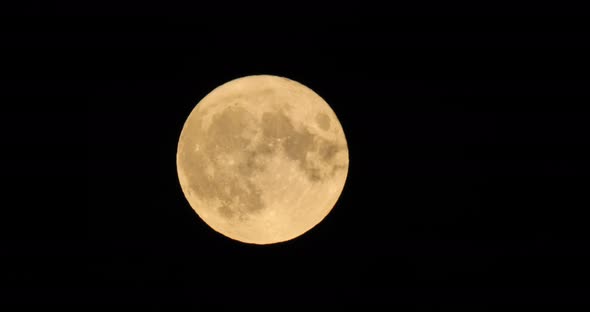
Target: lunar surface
(262,159)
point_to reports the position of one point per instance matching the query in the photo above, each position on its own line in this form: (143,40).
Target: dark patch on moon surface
(226,131)
(298,143)
(223,138)
(225,211)
(328,150)
(276,126)
(323,121)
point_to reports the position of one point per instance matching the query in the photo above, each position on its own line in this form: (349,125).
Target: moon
(262,159)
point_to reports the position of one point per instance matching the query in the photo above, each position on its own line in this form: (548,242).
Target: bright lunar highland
(262,159)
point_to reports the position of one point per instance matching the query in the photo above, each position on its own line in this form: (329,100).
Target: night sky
(466,138)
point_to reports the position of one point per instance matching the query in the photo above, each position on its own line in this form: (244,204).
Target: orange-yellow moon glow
(262,159)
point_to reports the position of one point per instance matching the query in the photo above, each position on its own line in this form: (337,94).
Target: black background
(467,138)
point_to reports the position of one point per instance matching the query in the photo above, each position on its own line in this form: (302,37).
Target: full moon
(262,159)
